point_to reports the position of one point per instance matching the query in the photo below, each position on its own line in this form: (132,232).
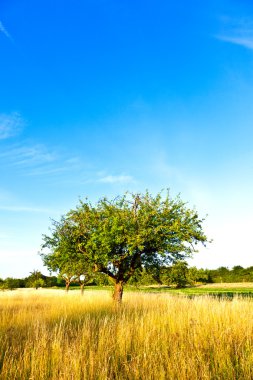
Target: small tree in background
(40,283)
(35,280)
(179,274)
(64,258)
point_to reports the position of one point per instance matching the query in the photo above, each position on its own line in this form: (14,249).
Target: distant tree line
(180,275)
(38,280)
(35,280)
(177,275)
(236,274)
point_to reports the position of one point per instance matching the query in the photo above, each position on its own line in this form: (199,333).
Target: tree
(144,277)
(221,274)
(64,258)
(131,232)
(196,275)
(36,279)
(237,273)
(10,283)
(179,274)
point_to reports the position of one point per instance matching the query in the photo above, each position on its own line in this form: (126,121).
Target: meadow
(48,334)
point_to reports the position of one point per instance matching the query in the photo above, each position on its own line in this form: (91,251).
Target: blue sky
(99,97)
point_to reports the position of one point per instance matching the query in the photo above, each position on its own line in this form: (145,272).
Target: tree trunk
(118,291)
(82,288)
(67,286)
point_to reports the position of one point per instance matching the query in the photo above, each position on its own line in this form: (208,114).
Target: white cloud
(116,179)
(10,125)
(4,31)
(237,31)
(243,41)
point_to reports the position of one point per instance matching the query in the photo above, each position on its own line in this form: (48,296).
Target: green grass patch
(215,291)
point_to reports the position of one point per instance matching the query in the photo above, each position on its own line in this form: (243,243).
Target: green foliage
(64,258)
(199,275)
(178,274)
(39,283)
(11,283)
(101,279)
(144,277)
(236,274)
(50,281)
(35,280)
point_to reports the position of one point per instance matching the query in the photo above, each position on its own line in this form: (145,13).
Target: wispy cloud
(57,166)
(104,178)
(10,125)
(28,155)
(41,161)
(243,41)
(238,32)
(5,32)
(116,179)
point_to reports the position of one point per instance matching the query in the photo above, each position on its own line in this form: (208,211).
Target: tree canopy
(119,236)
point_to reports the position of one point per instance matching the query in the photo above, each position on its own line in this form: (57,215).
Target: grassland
(217,290)
(47,334)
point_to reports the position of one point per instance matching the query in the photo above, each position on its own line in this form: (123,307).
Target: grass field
(222,290)
(47,334)
(218,290)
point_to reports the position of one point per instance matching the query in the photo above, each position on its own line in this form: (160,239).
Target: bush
(11,283)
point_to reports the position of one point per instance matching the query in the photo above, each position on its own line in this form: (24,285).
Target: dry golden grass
(53,335)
